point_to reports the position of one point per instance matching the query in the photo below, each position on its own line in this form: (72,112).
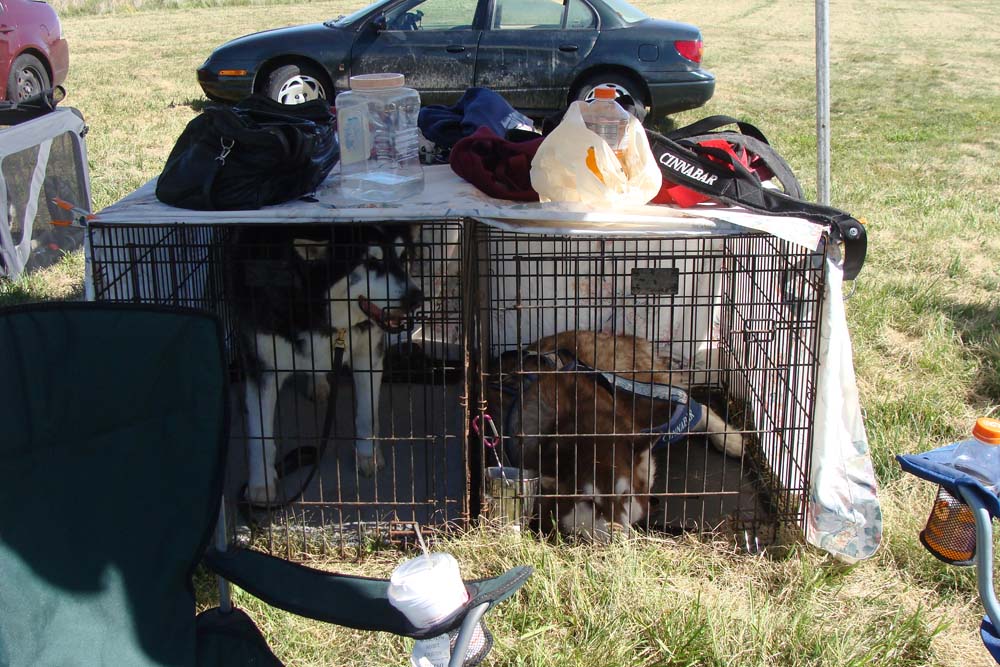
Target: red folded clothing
(498,167)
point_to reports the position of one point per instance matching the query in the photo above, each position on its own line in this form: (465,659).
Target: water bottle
(979,456)
(605,118)
(950,532)
(427,589)
(379,138)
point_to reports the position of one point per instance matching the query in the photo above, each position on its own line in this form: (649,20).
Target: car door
(531,49)
(6,47)
(432,42)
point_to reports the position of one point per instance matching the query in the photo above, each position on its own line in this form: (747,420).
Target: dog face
(368,276)
(380,288)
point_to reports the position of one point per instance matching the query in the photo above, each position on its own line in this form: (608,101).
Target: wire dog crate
(397,452)
(664,383)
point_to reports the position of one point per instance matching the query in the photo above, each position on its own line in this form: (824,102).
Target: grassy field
(916,103)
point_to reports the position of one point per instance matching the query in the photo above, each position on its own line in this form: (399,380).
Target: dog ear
(311,250)
(374,251)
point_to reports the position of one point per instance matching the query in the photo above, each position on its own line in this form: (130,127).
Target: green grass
(915,108)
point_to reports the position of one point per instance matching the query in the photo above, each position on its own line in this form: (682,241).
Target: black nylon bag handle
(712,123)
(749,136)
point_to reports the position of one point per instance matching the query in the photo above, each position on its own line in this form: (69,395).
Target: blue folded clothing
(479,107)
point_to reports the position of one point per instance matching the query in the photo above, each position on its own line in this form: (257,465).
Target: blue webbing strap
(686,412)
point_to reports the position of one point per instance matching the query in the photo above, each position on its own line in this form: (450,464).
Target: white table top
(446,196)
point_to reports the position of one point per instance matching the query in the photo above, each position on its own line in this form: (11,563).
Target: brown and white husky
(589,439)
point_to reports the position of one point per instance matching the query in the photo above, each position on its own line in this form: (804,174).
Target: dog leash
(310,454)
(493,440)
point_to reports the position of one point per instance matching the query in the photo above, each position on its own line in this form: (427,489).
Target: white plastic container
(379,139)
(427,589)
(979,456)
(607,119)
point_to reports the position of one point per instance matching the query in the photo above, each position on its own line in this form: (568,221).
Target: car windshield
(342,21)
(625,11)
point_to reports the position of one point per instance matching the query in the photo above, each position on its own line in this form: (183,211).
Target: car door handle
(569,48)
(454,48)
(4,29)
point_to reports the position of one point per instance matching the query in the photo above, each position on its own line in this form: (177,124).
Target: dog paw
(317,389)
(263,494)
(730,444)
(370,459)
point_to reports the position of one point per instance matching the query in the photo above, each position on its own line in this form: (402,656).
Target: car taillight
(690,49)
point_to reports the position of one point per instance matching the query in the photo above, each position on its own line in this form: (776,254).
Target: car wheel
(295,84)
(28,77)
(625,85)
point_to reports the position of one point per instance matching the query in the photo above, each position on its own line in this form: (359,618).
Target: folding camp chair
(933,466)
(112,453)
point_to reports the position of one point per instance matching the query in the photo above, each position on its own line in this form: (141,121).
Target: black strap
(713,123)
(310,454)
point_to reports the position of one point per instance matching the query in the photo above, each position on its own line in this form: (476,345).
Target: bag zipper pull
(221,157)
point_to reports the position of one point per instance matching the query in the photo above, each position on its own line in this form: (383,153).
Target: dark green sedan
(539,54)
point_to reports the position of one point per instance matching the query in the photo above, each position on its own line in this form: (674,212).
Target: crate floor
(699,488)
(422,440)
(424,478)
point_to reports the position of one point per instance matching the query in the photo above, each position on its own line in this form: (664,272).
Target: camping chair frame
(934,466)
(473,614)
(984,555)
(63,444)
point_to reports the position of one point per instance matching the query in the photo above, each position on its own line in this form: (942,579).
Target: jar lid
(605,93)
(987,430)
(376,81)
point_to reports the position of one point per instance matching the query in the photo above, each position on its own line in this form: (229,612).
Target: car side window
(432,15)
(527,14)
(542,15)
(580,16)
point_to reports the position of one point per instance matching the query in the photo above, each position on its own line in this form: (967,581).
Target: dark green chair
(113,441)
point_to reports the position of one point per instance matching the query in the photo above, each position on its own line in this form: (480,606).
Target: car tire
(295,84)
(624,84)
(28,77)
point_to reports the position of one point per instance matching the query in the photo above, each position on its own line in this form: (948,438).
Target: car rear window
(625,11)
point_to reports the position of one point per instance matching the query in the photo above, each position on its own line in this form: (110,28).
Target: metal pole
(823,101)
(222,544)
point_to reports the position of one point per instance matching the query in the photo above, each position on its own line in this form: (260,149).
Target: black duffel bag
(253,154)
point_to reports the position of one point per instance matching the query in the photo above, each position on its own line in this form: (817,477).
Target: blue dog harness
(686,412)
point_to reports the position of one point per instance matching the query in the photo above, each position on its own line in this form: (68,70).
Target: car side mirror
(379,23)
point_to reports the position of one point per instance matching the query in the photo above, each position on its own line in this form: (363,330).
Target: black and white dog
(295,291)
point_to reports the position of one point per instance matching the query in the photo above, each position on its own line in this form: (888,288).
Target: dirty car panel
(538,54)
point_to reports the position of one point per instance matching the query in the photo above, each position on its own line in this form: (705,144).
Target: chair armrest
(354,602)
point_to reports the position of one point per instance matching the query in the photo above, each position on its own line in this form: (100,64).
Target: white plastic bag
(844,516)
(574,164)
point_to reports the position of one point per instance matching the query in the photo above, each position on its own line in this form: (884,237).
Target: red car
(33,54)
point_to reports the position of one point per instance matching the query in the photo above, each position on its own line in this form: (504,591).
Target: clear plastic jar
(605,117)
(379,139)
